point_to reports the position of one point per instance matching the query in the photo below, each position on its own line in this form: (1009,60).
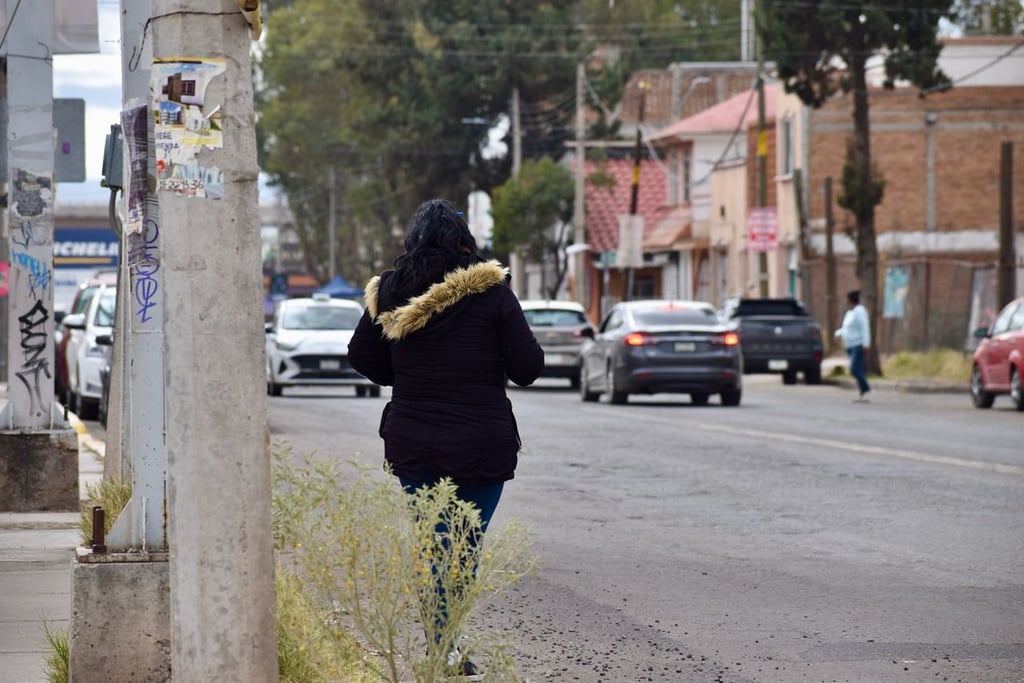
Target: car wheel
(615,397)
(813,375)
(699,398)
(574,382)
(586,395)
(1016,389)
(980,397)
(273,389)
(731,398)
(373,392)
(789,377)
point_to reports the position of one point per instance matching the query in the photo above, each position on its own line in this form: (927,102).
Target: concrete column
(30,141)
(221,573)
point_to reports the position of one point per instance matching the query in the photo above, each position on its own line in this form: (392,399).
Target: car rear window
(675,316)
(769,307)
(552,317)
(320,318)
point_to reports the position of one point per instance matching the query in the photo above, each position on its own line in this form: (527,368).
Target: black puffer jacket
(447,353)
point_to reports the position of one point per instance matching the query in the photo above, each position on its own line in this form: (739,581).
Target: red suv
(999,358)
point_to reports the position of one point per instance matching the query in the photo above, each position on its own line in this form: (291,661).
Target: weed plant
(938,364)
(386,562)
(112,494)
(310,646)
(58,664)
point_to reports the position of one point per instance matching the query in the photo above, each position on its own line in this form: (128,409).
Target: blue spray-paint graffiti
(27,233)
(144,259)
(39,274)
(36,364)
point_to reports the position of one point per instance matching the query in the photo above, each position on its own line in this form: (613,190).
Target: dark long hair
(437,241)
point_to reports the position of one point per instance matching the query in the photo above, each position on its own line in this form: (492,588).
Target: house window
(644,287)
(687,163)
(786,149)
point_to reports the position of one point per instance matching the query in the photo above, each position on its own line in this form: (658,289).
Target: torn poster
(184,125)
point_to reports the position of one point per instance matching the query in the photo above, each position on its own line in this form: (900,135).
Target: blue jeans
(856,354)
(485,498)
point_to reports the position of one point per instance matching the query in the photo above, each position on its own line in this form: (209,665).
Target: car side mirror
(268,327)
(981,333)
(74,321)
(105,339)
(587,332)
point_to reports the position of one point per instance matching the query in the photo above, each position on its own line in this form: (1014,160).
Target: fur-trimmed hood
(402,321)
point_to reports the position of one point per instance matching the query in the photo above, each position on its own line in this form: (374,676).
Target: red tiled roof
(604,204)
(724,117)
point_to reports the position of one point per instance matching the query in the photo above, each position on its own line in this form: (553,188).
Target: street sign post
(762,229)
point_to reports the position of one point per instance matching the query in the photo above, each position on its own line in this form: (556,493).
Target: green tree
(533,215)
(821,47)
(388,94)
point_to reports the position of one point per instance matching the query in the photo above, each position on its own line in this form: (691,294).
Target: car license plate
(554,358)
(685,347)
(778,365)
(330,365)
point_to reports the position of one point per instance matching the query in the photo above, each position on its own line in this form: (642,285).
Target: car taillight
(727,339)
(637,339)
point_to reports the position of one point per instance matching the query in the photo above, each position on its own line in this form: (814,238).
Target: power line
(10,23)
(946,86)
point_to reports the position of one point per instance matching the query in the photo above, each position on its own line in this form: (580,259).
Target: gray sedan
(662,346)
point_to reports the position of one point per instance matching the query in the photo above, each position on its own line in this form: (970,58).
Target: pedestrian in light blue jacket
(856,335)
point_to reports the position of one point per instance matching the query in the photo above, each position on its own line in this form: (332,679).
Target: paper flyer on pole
(184,125)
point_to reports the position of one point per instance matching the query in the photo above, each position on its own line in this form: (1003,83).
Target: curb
(906,386)
(86,439)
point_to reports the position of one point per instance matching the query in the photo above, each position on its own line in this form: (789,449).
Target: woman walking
(444,330)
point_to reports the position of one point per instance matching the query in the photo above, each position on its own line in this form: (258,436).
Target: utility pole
(218,465)
(517,262)
(762,171)
(30,207)
(517,134)
(579,231)
(332,237)
(1007,249)
(634,196)
(830,266)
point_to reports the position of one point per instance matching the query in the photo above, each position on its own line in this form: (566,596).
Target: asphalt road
(798,537)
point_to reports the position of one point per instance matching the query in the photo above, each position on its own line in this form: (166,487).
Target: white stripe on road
(871,450)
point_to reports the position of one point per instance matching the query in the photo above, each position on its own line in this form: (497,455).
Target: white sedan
(307,344)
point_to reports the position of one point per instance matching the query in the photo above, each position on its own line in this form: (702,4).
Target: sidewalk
(836,370)
(36,549)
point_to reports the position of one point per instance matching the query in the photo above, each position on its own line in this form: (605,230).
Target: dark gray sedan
(661,346)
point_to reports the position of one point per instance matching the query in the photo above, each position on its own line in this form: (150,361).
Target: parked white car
(307,344)
(83,356)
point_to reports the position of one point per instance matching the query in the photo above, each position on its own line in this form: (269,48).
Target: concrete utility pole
(517,261)
(579,229)
(222,565)
(831,297)
(38,450)
(30,201)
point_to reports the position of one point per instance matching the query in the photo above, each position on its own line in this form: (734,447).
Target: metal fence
(924,303)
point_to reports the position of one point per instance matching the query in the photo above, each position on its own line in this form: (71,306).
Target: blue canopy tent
(339,288)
